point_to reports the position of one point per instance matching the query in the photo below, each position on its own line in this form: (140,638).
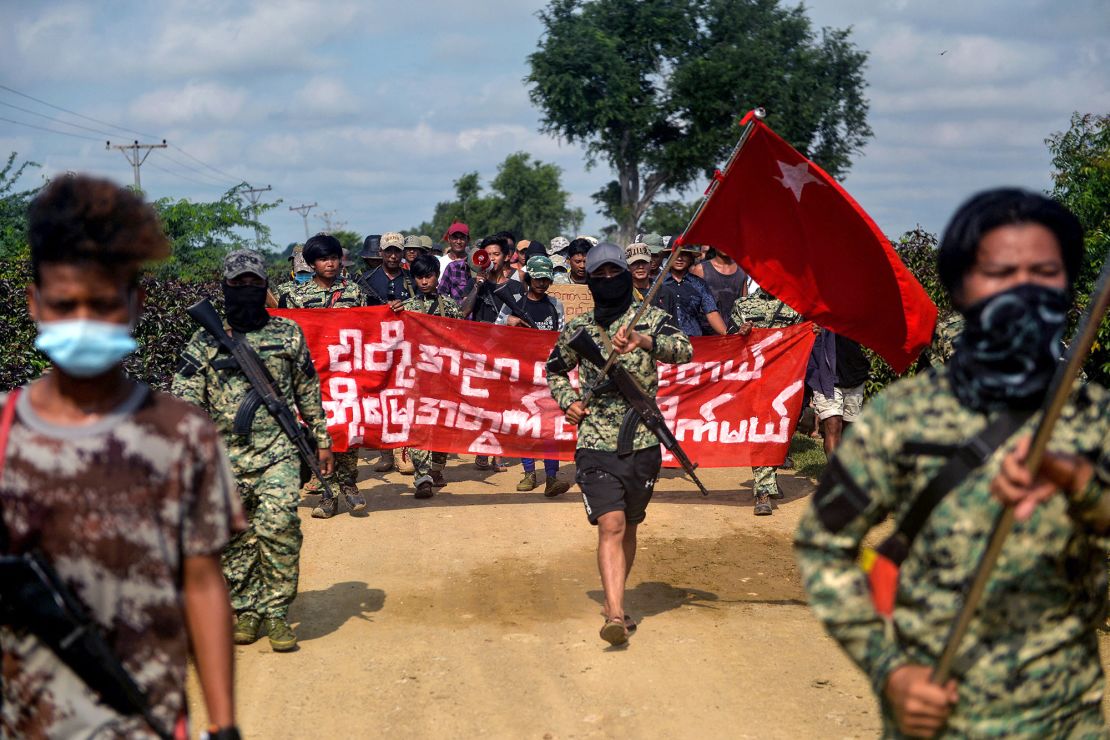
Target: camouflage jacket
(283,289)
(342,294)
(1031,657)
(764,311)
(599,430)
(944,339)
(208,378)
(445,306)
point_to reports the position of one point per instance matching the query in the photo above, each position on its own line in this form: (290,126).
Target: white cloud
(325,97)
(195,103)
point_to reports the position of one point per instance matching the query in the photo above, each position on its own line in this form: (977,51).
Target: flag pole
(758,114)
(1059,393)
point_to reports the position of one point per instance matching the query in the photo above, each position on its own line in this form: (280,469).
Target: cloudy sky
(371,109)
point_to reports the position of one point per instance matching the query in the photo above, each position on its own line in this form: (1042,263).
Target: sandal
(629,624)
(614,631)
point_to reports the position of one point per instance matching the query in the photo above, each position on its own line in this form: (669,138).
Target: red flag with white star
(805,240)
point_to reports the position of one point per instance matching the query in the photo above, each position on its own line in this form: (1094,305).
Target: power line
(201,161)
(51,130)
(180,175)
(75,113)
(197,170)
(57,120)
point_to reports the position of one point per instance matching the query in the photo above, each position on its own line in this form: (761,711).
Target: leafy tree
(526,197)
(1081,181)
(654,88)
(668,217)
(201,234)
(13,209)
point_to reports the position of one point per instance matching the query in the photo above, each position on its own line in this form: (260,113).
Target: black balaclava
(245,307)
(1007,354)
(612,296)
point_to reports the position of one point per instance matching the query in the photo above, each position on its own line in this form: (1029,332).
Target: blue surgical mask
(302,277)
(85,348)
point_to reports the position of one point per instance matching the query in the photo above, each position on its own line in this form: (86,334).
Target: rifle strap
(967,457)
(6,422)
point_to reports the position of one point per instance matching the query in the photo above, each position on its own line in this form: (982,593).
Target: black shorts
(610,482)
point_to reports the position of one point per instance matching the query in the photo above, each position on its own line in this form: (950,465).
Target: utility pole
(329,224)
(254,195)
(303,210)
(131,151)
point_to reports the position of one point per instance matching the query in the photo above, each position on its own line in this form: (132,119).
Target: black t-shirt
(852,367)
(542,312)
(488,306)
(382,286)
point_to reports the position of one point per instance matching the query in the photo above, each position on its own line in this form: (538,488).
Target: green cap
(654,243)
(540,267)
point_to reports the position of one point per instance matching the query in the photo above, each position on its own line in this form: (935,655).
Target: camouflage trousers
(765,479)
(424,461)
(346,470)
(262,563)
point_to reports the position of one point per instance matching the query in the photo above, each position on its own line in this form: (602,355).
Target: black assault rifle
(644,409)
(262,384)
(514,308)
(34,598)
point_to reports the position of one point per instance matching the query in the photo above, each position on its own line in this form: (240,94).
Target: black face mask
(1008,352)
(245,307)
(612,296)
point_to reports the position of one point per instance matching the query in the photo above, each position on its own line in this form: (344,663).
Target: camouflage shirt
(1031,656)
(764,311)
(342,294)
(116,506)
(944,339)
(599,429)
(209,378)
(439,305)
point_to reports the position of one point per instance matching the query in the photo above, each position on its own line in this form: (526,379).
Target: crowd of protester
(704,290)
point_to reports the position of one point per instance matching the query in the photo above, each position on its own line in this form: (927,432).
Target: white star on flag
(795,177)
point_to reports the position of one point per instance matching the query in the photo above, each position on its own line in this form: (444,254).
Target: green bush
(162,332)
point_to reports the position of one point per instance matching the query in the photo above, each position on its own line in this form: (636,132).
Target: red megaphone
(479,261)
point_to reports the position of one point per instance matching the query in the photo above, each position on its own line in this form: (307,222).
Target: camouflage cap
(412,242)
(539,267)
(638,252)
(392,239)
(654,242)
(299,264)
(558,263)
(426,241)
(242,261)
(558,244)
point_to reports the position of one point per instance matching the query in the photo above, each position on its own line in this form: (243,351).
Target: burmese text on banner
(409,379)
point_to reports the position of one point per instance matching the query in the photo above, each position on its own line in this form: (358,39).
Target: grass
(809,456)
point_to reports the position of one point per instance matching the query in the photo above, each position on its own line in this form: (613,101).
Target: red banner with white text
(414,380)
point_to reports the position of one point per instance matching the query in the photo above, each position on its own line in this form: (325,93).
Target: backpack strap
(969,456)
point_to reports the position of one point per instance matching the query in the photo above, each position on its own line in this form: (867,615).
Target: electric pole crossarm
(131,153)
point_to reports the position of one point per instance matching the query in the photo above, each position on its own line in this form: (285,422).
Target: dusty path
(476,613)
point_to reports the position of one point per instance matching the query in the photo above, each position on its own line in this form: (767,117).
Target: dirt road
(476,613)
